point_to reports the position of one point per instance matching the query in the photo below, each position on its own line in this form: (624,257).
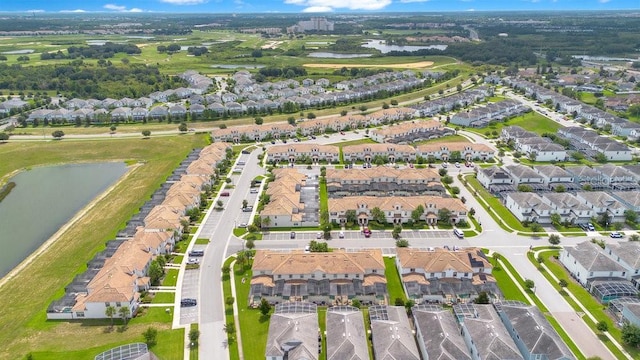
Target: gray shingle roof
(392,335)
(293,329)
(346,335)
(592,257)
(628,251)
(441,334)
(535,331)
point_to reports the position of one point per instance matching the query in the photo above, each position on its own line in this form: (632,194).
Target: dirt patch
(416,65)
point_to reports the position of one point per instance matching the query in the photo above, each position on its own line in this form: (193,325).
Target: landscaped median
(554,272)
(494,207)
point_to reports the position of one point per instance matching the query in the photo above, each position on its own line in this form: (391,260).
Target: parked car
(616,235)
(341,132)
(196,253)
(590,227)
(246,152)
(188,302)
(224,193)
(193,261)
(307,249)
(292,235)
(248,209)
(457,164)
(319,235)
(253,191)
(341,234)
(366,232)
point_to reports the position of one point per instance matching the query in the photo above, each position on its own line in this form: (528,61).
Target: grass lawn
(531,121)
(202,241)
(170,277)
(587,300)
(194,353)
(324,196)
(25,328)
(163,298)
(394,283)
(226,287)
(177,259)
(254,326)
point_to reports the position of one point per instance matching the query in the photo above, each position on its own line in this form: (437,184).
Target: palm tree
(110,312)
(124,313)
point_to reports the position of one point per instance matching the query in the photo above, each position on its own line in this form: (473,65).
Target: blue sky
(297,6)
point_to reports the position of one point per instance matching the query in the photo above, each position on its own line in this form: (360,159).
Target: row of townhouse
(609,273)
(310,127)
(445,277)
(371,181)
(462,99)
(246,88)
(549,177)
(332,278)
(11,104)
(98,116)
(285,206)
(117,275)
(367,153)
(108,103)
(533,145)
(591,143)
(396,209)
(296,152)
(597,117)
(503,330)
(301,281)
(198,82)
(407,153)
(480,116)
(410,132)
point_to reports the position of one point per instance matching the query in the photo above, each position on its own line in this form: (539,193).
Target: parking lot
(355,234)
(190,284)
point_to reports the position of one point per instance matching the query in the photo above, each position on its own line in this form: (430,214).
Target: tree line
(88,81)
(106,51)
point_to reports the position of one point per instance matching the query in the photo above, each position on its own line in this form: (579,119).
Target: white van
(458,233)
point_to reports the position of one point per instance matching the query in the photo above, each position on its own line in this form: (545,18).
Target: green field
(531,121)
(394,283)
(28,294)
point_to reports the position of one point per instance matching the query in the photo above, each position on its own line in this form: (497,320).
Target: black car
(246,152)
(188,302)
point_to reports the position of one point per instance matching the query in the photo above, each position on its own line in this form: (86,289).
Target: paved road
(514,248)
(218,227)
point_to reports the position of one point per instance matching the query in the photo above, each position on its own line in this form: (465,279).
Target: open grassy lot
(531,121)
(28,294)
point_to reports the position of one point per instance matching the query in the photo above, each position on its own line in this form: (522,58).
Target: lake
(384,48)
(44,199)
(320,54)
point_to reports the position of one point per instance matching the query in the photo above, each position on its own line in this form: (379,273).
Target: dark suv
(188,302)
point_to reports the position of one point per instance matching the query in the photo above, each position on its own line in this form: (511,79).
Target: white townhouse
(528,206)
(494,175)
(367,152)
(570,208)
(602,202)
(587,261)
(626,254)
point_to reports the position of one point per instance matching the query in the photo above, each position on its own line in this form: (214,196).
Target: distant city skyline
(309,6)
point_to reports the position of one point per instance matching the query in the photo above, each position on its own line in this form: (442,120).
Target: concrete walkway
(236,318)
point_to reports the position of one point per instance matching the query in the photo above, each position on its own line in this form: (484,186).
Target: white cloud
(73,11)
(318,9)
(342,4)
(36,11)
(184,2)
(471,9)
(412,1)
(115,7)
(603,1)
(121,8)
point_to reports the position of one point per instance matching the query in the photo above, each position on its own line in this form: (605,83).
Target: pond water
(384,48)
(43,200)
(18,52)
(320,54)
